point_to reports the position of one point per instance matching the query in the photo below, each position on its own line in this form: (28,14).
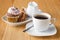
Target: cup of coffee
(41,21)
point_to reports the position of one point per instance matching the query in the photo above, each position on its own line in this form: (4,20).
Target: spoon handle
(27,29)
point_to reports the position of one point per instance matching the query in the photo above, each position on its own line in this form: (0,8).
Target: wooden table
(15,33)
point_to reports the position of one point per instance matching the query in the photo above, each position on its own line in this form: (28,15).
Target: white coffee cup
(41,24)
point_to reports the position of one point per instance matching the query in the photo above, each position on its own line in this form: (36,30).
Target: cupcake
(13,14)
(23,15)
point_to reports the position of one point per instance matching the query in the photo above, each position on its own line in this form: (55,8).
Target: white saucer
(16,23)
(51,31)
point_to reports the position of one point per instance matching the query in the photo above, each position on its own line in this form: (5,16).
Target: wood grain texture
(4,4)
(15,33)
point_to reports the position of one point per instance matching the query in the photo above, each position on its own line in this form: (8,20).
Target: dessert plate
(51,31)
(16,23)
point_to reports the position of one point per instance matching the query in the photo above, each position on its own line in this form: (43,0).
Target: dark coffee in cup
(41,17)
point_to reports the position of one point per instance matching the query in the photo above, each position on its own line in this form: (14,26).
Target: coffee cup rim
(46,14)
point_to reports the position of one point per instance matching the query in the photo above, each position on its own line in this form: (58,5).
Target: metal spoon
(27,29)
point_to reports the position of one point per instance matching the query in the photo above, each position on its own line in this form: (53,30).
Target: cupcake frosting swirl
(13,11)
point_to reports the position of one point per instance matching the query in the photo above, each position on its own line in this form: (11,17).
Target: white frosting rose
(13,11)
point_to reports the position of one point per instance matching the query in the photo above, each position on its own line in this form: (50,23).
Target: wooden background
(13,33)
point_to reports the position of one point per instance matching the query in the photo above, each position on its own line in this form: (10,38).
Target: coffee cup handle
(53,20)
